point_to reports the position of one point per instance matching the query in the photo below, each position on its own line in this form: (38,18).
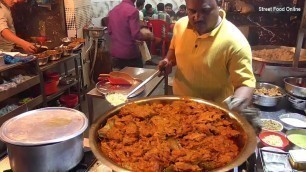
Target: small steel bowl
(42,58)
(67,51)
(55,54)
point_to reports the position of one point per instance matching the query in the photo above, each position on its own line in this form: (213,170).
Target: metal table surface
(282,107)
(140,73)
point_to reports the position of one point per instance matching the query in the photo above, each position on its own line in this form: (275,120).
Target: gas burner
(86,163)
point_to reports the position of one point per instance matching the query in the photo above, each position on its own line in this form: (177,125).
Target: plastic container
(269,133)
(51,87)
(69,100)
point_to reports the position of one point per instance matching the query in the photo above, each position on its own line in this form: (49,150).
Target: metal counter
(282,107)
(140,73)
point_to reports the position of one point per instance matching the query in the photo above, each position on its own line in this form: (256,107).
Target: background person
(125,32)
(148,11)
(8,36)
(181,12)
(139,6)
(169,10)
(161,14)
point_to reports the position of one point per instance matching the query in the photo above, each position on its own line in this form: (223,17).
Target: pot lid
(44,126)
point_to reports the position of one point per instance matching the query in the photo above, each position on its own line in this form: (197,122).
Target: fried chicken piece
(182,166)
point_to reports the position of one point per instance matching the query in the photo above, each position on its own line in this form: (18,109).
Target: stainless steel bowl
(296,86)
(67,51)
(42,58)
(268,101)
(54,54)
(247,141)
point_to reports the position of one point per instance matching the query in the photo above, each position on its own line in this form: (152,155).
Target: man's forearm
(244,92)
(171,56)
(10,36)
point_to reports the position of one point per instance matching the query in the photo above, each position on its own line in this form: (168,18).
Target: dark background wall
(265,28)
(30,20)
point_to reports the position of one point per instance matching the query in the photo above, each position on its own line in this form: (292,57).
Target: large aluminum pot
(296,86)
(61,156)
(268,101)
(47,139)
(248,141)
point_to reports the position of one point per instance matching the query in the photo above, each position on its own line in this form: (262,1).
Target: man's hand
(240,105)
(139,42)
(236,104)
(165,67)
(28,47)
(252,116)
(147,34)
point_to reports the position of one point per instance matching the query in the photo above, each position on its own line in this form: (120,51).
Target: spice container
(297,159)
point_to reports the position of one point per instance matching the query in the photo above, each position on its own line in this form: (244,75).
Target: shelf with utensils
(77,70)
(22,108)
(20,87)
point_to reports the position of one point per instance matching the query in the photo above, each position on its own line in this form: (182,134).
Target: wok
(247,142)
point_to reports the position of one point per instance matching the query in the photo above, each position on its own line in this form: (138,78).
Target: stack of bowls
(296,89)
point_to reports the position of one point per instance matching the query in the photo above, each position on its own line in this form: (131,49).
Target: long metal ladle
(143,83)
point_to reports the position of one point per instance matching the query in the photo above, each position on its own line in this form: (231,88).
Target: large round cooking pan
(282,62)
(247,141)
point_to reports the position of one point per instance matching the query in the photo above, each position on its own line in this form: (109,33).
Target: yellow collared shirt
(212,65)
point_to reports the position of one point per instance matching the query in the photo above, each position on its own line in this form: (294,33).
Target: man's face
(202,14)
(10,3)
(168,9)
(150,10)
(182,11)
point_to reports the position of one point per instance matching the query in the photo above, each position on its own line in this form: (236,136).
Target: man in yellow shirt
(213,58)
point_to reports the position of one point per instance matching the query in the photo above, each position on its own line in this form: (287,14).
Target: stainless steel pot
(247,142)
(61,156)
(48,139)
(296,86)
(268,101)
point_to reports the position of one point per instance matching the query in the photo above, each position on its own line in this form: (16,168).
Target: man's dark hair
(160,7)
(148,6)
(183,7)
(169,5)
(140,3)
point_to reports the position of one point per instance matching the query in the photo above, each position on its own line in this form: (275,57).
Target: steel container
(48,139)
(247,142)
(297,160)
(43,60)
(96,32)
(264,100)
(296,86)
(54,54)
(299,104)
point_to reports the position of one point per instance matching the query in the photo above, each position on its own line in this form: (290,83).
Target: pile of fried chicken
(181,136)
